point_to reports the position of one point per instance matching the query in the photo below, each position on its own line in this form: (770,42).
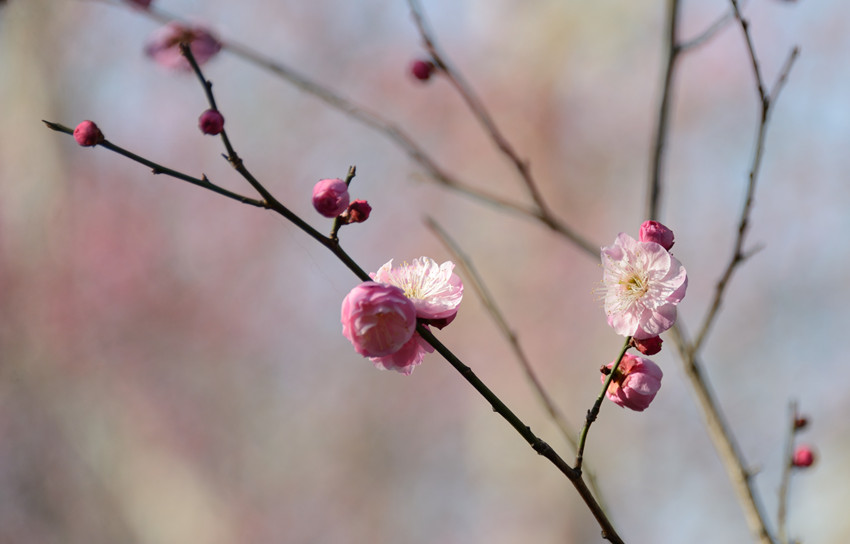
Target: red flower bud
(358,211)
(211,122)
(648,346)
(422,69)
(87,134)
(653,231)
(803,457)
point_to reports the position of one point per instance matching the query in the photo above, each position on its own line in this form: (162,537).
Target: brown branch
(476,106)
(476,281)
(723,438)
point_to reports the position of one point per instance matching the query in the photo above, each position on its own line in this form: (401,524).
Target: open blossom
(643,283)
(163,46)
(635,383)
(377,319)
(436,291)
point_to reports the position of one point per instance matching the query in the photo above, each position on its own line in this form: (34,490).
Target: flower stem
(593,412)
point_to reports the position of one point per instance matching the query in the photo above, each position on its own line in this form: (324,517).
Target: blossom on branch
(653,231)
(635,382)
(163,46)
(642,285)
(803,457)
(436,291)
(377,319)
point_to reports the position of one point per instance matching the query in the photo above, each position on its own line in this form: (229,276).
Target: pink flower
(211,122)
(330,197)
(163,46)
(803,457)
(653,231)
(87,134)
(407,358)
(635,383)
(643,283)
(377,319)
(435,290)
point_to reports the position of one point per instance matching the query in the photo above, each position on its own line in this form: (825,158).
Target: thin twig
(476,106)
(663,122)
(474,279)
(594,411)
(541,447)
(724,442)
(739,255)
(709,32)
(787,465)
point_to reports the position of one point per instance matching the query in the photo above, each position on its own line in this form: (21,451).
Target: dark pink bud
(87,134)
(648,346)
(800,422)
(211,122)
(653,231)
(422,69)
(803,457)
(358,211)
(330,197)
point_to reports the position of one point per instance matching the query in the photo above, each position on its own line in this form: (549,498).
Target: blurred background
(171,364)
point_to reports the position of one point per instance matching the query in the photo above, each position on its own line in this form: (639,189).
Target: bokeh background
(171,364)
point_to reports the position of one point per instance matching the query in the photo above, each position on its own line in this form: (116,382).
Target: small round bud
(87,134)
(330,197)
(358,211)
(422,69)
(653,231)
(800,423)
(211,122)
(803,457)
(648,346)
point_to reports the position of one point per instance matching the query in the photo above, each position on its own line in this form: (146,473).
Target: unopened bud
(648,346)
(422,69)
(87,134)
(653,231)
(330,197)
(357,212)
(800,422)
(803,457)
(211,122)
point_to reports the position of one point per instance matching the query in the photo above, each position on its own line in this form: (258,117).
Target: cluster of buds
(331,199)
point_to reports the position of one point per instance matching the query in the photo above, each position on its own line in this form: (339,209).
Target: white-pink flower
(643,283)
(436,291)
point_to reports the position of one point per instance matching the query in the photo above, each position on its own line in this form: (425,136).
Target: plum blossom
(211,122)
(163,46)
(635,382)
(436,291)
(642,284)
(377,319)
